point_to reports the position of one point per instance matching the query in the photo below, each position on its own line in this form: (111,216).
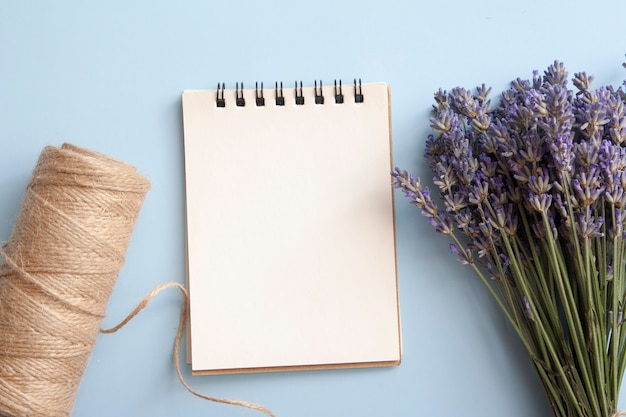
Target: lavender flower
(464,256)
(536,189)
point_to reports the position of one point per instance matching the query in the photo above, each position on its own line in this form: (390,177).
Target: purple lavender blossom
(420,196)
(545,150)
(464,256)
(536,189)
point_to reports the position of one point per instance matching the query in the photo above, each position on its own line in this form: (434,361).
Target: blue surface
(108,76)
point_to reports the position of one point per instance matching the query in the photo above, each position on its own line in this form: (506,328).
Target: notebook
(290,228)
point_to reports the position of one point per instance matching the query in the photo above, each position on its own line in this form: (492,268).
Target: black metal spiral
(279,97)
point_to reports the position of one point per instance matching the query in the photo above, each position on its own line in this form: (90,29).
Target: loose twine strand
(60,266)
(179,334)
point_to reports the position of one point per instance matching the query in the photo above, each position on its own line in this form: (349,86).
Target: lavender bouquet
(533,198)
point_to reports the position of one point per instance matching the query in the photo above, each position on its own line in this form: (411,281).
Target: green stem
(572,316)
(591,308)
(616,294)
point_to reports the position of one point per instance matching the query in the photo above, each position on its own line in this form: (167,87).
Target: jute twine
(60,266)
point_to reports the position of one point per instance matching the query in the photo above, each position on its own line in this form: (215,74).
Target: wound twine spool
(60,266)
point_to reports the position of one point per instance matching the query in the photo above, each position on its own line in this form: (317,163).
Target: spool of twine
(60,266)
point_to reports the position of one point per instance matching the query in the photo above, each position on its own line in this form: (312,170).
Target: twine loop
(179,335)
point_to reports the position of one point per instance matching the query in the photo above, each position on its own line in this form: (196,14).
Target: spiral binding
(279,97)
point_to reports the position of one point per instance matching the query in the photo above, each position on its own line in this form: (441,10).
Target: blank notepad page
(290,230)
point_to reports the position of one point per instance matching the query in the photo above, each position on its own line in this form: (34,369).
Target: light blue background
(108,75)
